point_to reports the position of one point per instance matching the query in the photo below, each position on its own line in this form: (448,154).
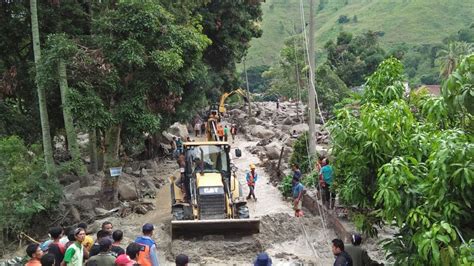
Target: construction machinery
(217,111)
(226,95)
(213,123)
(207,197)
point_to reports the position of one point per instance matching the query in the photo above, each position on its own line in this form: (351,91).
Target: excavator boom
(226,95)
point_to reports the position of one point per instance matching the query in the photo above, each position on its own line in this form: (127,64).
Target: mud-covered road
(281,235)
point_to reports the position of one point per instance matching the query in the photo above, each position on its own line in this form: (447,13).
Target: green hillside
(409,21)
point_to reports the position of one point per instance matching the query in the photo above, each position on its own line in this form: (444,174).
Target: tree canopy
(407,161)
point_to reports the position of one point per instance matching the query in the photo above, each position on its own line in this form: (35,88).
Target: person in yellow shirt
(88,240)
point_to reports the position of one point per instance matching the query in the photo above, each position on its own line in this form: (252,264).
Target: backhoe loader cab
(208,198)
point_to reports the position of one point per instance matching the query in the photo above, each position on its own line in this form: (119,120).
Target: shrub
(300,154)
(343,19)
(286,185)
(25,189)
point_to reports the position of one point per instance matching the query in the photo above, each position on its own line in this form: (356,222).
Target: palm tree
(451,55)
(47,147)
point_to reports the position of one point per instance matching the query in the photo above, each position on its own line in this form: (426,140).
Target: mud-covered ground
(281,235)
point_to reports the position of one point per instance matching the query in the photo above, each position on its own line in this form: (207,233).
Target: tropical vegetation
(406,161)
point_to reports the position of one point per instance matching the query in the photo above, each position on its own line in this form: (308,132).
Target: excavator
(226,95)
(216,112)
(207,197)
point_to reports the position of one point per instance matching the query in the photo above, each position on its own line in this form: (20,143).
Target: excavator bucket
(218,226)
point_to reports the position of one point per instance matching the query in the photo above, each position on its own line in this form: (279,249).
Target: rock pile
(139,180)
(272,129)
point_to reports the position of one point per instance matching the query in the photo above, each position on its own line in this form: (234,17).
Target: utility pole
(311,92)
(248,90)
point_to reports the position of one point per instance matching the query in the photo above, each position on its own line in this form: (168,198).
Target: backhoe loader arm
(226,95)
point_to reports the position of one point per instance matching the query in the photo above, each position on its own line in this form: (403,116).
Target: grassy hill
(408,21)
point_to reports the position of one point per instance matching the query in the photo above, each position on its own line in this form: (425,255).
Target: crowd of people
(77,248)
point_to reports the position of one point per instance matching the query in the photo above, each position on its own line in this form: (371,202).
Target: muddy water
(285,238)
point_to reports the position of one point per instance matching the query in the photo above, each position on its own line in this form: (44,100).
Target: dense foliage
(408,162)
(300,154)
(25,189)
(117,70)
(353,58)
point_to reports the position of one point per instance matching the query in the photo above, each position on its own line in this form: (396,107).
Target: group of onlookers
(77,248)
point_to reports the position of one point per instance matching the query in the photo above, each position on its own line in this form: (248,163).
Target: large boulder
(287,121)
(86,192)
(261,132)
(322,150)
(272,151)
(252,121)
(300,128)
(126,191)
(167,136)
(179,130)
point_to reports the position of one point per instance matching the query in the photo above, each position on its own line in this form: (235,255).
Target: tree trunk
(112,144)
(93,151)
(109,187)
(47,147)
(73,147)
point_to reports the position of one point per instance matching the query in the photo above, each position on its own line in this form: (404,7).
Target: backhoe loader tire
(243,212)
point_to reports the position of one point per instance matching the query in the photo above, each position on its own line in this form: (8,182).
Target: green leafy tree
(408,162)
(230,25)
(150,61)
(353,58)
(58,53)
(25,189)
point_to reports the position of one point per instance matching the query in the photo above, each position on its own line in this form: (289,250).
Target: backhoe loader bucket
(218,226)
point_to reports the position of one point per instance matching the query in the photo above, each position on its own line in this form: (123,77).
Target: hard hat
(252,166)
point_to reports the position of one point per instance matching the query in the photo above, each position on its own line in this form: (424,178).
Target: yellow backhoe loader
(207,197)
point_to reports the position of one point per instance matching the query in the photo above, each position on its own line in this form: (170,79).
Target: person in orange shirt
(35,253)
(220,132)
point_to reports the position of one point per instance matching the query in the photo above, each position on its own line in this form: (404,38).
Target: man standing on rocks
(233,132)
(359,256)
(226,133)
(326,172)
(342,258)
(197,128)
(251,179)
(296,171)
(297,194)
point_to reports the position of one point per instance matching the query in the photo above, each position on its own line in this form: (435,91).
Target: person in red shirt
(56,247)
(35,253)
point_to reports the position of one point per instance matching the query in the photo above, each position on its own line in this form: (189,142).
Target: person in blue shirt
(297,194)
(296,171)
(146,240)
(327,175)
